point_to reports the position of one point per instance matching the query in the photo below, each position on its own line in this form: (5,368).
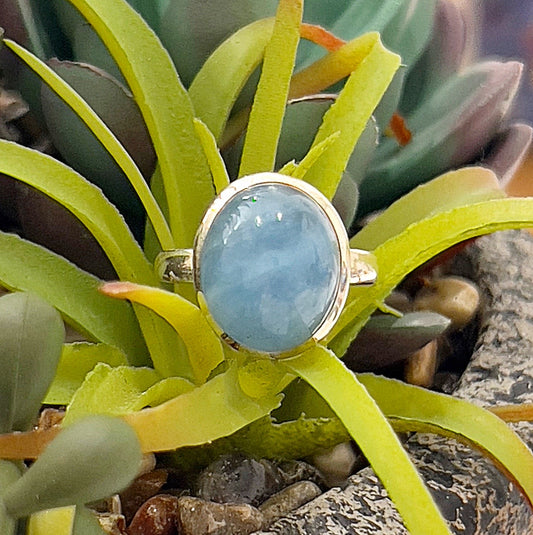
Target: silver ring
(271,263)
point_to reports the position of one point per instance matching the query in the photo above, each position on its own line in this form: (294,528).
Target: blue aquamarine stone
(270,267)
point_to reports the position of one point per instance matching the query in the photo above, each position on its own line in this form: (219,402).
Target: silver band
(178,266)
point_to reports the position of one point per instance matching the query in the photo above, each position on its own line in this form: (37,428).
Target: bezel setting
(352,266)
(330,214)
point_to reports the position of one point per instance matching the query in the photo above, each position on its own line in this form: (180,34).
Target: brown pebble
(200,517)
(157,516)
(288,500)
(50,418)
(141,489)
(421,366)
(454,297)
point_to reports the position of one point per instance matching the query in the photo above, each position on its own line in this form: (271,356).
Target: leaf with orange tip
(320,36)
(203,345)
(332,68)
(352,109)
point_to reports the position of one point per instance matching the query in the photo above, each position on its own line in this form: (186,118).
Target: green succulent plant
(90,460)
(439,97)
(180,386)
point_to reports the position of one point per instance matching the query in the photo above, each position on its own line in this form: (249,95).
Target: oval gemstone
(270,267)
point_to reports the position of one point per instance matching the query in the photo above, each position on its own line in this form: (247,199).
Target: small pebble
(148,463)
(287,500)
(50,418)
(112,523)
(141,489)
(421,366)
(239,479)
(157,516)
(111,504)
(336,464)
(454,297)
(294,471)
(200,517)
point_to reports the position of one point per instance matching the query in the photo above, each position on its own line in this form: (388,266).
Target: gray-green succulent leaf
(89,460)
(31,340)
(449,129)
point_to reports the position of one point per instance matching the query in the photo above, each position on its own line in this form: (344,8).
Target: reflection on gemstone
(269,268)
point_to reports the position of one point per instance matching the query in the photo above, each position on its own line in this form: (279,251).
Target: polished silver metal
(357,267)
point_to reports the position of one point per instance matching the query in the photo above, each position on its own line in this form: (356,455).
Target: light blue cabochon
(270,268)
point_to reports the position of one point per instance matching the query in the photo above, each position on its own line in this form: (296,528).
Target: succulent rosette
(141,114)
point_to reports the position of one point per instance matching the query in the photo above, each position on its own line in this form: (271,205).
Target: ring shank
(177,266)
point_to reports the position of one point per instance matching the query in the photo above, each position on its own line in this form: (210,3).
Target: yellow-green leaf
(368,426)
(217,85)
(121,390)
(165,106)
(101,218)
(455,188)
(104,135)
(213,410)
(76,361)
(416,409)
(25,266)
(332,68)
(203,345)
(351,111)
(264,126)
(214,158)
(418,243)
(59,521)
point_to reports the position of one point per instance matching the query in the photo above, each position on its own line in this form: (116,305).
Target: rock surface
(474,496)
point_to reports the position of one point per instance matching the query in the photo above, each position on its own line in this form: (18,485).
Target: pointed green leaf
(84,200)
(76,361)
(25,266)
(31,338)
(373,434)
(351,112)
(89,460)
(455,188)
(191,30)
(409,31)
(386,339)
(103,134)
(411,408)
(418,243)
(114,104)
(216,409)
(361,17)
(203,345)
(121,390)
(165,106)
(264,126)
(37,38)
(216,163)
(102,219)
(219,82)
(450,129)
(364,16)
